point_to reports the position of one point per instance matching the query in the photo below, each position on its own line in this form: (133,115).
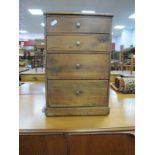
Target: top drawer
(78,24)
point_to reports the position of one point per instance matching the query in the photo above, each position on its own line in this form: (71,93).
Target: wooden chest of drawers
(78,50)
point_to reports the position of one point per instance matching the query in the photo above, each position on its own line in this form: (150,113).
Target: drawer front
(73,93)
(25,78)
(78,66)
(100,42)
(78,24)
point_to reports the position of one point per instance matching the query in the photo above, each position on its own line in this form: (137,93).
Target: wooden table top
(32,118)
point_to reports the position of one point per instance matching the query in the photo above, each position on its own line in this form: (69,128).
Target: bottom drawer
(76,93)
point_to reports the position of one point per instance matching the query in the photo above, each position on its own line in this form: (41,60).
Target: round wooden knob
(78,66)
(78,24)
(78,43)
(78,92)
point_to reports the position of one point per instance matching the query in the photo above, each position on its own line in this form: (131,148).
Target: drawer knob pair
(78,24)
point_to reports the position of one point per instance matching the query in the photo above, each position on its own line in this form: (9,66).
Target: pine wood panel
(77,66)
(78,24)
(100,42)
(75,93)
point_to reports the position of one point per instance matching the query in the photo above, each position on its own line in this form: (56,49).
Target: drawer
(83,24)
(74,93)
(25,77)
(78,66)
(100,42)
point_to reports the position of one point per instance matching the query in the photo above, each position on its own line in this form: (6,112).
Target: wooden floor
(32,103)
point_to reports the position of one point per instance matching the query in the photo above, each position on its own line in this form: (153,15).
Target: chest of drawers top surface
(77,63)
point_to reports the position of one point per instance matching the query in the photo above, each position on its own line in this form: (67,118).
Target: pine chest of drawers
(78,50)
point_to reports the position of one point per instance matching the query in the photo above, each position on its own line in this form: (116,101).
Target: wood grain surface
(69,24)
(102,144)
(77,66)
(77,144)
(53,144)
(73,93)
(99,42)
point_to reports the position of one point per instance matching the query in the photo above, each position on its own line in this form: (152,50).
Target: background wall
(127,38)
